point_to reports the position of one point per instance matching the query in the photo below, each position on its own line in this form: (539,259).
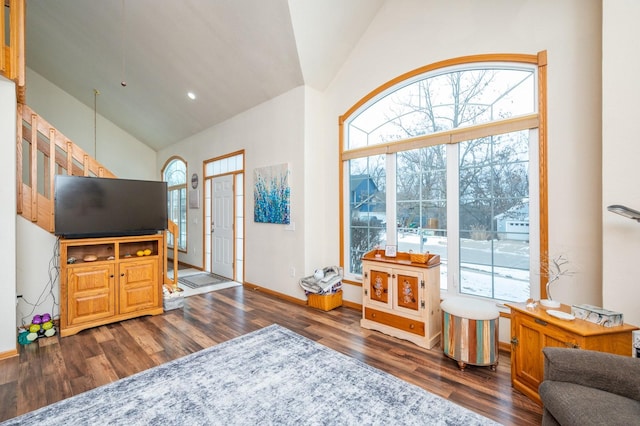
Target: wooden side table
(401,298)
(533,328)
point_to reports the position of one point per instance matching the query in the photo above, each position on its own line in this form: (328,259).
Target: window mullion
(534,215)
(453,219)
(392,223)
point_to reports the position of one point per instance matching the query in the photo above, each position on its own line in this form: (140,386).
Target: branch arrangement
(554,270)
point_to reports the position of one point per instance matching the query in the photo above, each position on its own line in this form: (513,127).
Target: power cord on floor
(48,290)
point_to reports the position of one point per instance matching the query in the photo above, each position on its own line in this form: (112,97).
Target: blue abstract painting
(272,194)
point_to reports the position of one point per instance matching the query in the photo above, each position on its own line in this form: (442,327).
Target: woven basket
(326,302)
(419,257)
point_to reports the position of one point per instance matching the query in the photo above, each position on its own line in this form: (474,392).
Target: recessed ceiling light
(191,95)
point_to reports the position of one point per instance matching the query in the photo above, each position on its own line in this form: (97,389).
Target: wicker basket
(419,257)
(326,302)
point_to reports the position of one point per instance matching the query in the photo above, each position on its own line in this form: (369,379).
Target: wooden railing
(171,282)
(43,152)
(12,59)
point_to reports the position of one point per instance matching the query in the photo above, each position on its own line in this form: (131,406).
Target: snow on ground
(510,281)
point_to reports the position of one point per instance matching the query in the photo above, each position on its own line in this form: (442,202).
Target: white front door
(222,247)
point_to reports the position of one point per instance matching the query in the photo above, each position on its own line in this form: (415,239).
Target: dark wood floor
(55,368)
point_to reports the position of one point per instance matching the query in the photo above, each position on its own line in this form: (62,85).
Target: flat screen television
(87,207)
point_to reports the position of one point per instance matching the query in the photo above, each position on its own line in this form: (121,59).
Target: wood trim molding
(504,347)
(9,354)
(270,292)
(542,165)
(341,189)
(529,121)
(352,305)
(277,294)
(187,265)
(351,282)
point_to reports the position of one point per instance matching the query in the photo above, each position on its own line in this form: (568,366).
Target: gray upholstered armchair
(583,387)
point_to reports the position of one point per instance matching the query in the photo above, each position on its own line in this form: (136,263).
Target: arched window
(447,159)
(175,174)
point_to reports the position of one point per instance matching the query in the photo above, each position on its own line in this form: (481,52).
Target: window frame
(536,121)
(172,188)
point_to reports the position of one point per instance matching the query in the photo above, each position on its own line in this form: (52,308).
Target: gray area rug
(203,279)
(272,376)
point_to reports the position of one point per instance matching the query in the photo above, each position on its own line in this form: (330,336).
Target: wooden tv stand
(104,280)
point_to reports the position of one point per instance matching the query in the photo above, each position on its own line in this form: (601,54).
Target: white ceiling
(233,54)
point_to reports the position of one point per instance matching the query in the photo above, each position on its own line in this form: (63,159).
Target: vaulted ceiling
(143,56)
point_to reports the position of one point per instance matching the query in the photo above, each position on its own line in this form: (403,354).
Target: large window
(175,174)
(446,161)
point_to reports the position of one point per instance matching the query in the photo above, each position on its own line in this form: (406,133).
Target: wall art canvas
(272,194)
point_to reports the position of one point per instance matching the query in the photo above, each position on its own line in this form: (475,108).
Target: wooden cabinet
(138,285)
(89,296)
(533,329)
(104,280)
(402,298)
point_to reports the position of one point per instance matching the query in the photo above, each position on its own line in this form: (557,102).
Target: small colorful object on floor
(41,326)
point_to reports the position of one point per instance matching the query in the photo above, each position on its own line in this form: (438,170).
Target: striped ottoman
(470,331)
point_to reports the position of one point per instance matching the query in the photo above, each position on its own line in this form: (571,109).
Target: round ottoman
(470,331)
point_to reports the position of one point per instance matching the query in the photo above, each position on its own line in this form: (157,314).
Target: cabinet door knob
(122,274)
(373,315)
(111,276)
(412,326)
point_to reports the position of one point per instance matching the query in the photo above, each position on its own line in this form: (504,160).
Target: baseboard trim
(279,295)
(504,347)
(185,265)
(9,354)
(352,305)
(255,287)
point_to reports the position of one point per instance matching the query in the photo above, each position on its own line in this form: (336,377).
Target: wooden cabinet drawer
(401,323)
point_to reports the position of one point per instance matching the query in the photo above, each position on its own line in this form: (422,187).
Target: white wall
(271,133)
(8,342)
(407,34)
(120,152)
(620,154)
(321,211)
(36,278)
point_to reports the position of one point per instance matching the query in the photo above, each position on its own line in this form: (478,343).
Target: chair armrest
(608,372)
